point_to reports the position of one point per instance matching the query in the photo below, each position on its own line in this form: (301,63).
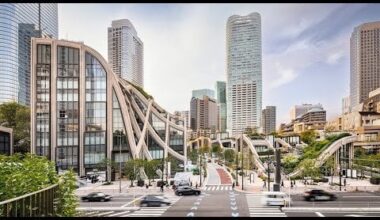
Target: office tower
(365,61)
(199,93)
(244,77)
(220,88)
(314,118)
(269,119)
(126,52)
(19,23)
(204,114)
(185,115)
(346,105)
(86,113)
(299,110)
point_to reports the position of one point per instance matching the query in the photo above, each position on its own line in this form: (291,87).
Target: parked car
(187,190)
(180,184)
(154,200)
(96,196)
(275,199)
(319,195)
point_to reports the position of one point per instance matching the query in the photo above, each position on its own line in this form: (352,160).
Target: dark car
(154,200)
(187,190)
(319,195)
(97,196)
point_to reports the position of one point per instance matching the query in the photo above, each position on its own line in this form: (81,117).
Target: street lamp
(119,163)
(242,162)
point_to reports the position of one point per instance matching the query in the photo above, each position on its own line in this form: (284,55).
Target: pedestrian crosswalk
(218,188)
(141,212)
(256,209)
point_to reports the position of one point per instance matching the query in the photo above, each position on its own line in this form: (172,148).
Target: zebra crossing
(217,188)
(142,212)
(256,209)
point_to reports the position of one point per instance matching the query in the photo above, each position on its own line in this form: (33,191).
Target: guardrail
(41,203)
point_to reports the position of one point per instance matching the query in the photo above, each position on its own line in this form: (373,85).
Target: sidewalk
(256,185)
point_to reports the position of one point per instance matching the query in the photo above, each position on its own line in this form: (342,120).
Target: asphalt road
(210,204)
(332,214)
(345,199)
(116,201)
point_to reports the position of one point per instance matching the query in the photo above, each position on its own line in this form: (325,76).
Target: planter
(375,180)
(140,183)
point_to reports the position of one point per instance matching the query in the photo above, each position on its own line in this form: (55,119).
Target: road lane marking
(194,207)
(359,196)
(119,213)
(196,203)
(233,203)
(235,214)
(217,188)
(233,208)
(138,198)
(319,214)
(104,213)
(190,214)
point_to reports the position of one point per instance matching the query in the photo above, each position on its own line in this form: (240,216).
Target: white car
(275,199)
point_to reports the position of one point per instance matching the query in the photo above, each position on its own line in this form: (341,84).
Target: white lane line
(132,201)
(319,214)
(217,188)
(146,214)
(119,213)
(359,196)
(104,213)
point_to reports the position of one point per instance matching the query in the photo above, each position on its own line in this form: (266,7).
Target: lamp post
(242,162)
(119,163)
(340,170)
(200,170)
(237,166)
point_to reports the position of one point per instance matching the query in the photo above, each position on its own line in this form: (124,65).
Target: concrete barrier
(326,209)
(107,208)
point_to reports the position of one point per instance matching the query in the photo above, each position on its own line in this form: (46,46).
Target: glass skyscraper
(244,77)
(126,52)
(220,88)
(18,23)
(199,93)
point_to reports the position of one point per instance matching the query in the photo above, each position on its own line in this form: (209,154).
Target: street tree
(229,155)
(17,117)
(151,167)
(308,136)
(309,169)
(131,169)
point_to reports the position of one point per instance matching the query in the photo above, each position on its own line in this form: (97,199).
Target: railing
(36,204)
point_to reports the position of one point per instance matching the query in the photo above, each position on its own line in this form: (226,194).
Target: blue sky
(305,47)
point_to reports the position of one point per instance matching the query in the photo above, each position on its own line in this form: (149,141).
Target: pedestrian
(162,187)
(233,185)
(196,185)
(344,182)
(291,185)
(282,183)
(265,184)
(146,186)
(191,183)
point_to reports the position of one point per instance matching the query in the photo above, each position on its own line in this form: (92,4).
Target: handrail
(27,195)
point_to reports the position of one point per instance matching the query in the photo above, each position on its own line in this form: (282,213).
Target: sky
(305,47)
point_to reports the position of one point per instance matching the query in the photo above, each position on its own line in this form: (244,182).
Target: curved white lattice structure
(82,112)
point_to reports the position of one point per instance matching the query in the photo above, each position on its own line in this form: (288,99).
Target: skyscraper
(199,93)
(269,119)
(19,23)
(244,77)
(203,114)
(365,61)
(220,88)
(126,52)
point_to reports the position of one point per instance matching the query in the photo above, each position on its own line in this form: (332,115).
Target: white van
(275,199)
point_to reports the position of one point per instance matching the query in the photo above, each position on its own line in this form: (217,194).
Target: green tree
(308,136)
(17,117)
(289,162)
(216,149)
(229,155)
(192,155)
(309,169)
(67,202)
(205,149)
(150,168)
(131,169)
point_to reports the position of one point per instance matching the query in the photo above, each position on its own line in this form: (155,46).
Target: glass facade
(67,107)
(95,116)
(18,23)
(158,125)
(176,138)
(5,143)
(118,133)
(43,72)
(155,150)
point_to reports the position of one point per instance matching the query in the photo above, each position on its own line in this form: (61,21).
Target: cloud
(284,76)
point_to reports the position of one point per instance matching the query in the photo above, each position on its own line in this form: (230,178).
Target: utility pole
(237,165)
(200,170)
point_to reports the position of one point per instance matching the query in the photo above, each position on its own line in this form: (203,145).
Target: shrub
(374,180)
